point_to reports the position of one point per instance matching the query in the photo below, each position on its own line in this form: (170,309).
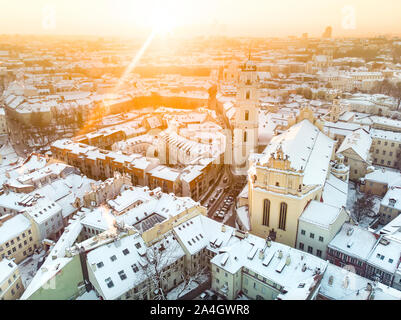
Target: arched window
(245,136)
(283,215)
(246,115)
(266,212)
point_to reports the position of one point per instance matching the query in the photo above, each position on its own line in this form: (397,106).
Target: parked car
(204,296)
(219,214)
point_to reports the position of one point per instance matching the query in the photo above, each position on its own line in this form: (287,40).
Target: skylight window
(135,267)
(109,283)
(125,251)
(122,275)
(113,258)
(137,245)
(100,264)
(189,242)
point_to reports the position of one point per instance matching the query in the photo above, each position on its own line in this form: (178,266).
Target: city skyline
(258,18)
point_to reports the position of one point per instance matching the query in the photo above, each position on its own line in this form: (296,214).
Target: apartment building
(318,225)
(386,148)
(370,255)
(123,270)
(356,151)
(11,287)
(18,237)
(47,218)
(379,180)
(390,205)
(265,270)
(351,248)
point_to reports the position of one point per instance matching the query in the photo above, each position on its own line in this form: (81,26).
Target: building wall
(385,152)
(21,246)
(295,207)
(317,243)
(374,187)
(358,167)
(388,213)
(3,124)
(12,287)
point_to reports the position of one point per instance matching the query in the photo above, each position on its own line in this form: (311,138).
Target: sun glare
(162,23)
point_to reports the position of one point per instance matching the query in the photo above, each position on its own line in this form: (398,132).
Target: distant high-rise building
(327,32)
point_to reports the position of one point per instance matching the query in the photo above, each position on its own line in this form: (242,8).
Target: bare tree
(363,206)
(197,274)
(159,261)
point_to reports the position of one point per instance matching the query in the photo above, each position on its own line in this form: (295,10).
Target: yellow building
(356,151)
(283,179)
(11,287)
(386,148)
(18,237)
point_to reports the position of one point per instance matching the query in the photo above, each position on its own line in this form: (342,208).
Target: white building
(318,225)
(48,218)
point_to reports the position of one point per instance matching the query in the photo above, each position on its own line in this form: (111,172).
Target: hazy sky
(230,17)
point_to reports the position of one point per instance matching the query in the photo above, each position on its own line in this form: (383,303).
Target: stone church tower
(245,127)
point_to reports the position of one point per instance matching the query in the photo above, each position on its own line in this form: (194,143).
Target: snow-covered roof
(56,260)
(320,214)
(117,266)
(192,235)
(360,141)
(307,149)
(43,210)
(392,198)
(335,192)
(342,284)
(13,227)
(281,264)
(384,176)
(7,268)
(354,241)
(386,135)
(385,255)
(243,216)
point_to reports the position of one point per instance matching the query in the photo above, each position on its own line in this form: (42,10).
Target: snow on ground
(175,293)
(353,195)
(28,267)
